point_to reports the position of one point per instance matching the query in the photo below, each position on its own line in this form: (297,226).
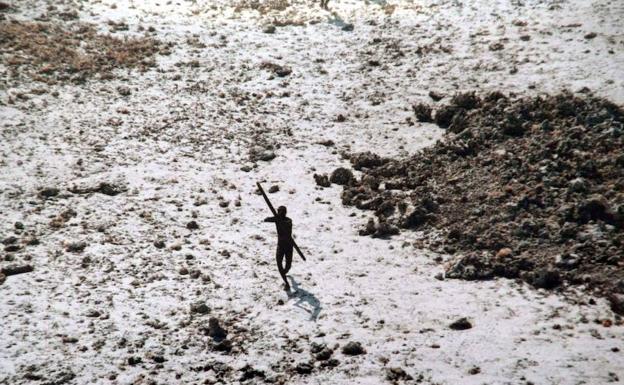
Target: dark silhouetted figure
(284,242)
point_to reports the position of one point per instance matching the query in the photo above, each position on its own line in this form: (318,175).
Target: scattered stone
(617,303)
(590,35)
(423,112)
(19,226)
(353,348)
(474,370)
(436,96)
(266,156)
(192,225)
(159,244)
(348,27)
(273,189)
(496,46)
(304,368)
(546,279)
(2,278)
(49,192)
(215,330)
(16,269)
(397,374)
(341,176)
(322,180)
(248,373)
(123,90)
(76,247)
(10,240)
(461,324)
(200,308)
(324,355)
(270,29)
(183,271)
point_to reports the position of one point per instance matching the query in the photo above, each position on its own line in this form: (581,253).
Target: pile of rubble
(527,187)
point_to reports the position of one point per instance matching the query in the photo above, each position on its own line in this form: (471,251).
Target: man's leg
(289,255)
(280,258)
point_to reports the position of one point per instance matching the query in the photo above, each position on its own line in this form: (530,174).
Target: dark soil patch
(521,187)
(51,52)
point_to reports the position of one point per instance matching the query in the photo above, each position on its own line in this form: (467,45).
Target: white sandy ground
(184,142)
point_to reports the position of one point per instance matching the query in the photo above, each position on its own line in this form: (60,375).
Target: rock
(341,176)
(353,348)
(123,90)
(322,180)
(76,247)
(183,271)
(200,307)
(266,156)
(617,303)
(578,185)
(16,269)
(10,240)
(466,100)
(110,189)
(497,46)
(93,313)
(159,244)
(19,226)
(270,29)
(436,96)
(192,225)
(12,248)
(366,160)
(397,374)
(503,253)
(215,330)
(461,324)
(248,373)
(444,115)
(567,261)
(348,27)
(49,192)
(273,189)
(423,112)
(385,229)
(223,346)
(2,278)
(470,267)
(590,35)
(133,360)
(304,368)
(546,279)
(474,370)
(324,355)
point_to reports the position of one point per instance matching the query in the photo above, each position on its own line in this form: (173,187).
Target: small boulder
(322,180)
(461,324)
(353,348)
(546,279)
(341,176)
(304,368)
(200,307)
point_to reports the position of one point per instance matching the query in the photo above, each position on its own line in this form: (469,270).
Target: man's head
(281,211)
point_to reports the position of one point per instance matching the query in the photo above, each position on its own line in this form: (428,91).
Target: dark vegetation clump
(51,52)
(519,187)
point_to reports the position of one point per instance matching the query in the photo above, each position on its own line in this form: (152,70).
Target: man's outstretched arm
(269,219)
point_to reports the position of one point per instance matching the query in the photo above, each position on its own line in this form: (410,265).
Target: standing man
(284,242)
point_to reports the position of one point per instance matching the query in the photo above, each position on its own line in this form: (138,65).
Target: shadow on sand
(305,300)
